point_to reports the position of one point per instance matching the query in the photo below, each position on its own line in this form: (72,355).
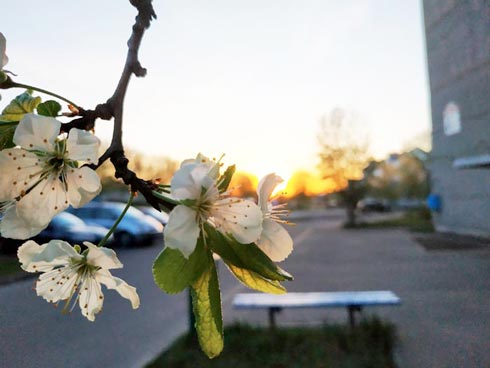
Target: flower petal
(15,227)
(83,185)
(102,257)
(188,181)
(115,283)
(241,218)
(37,132)
(91,298)
(265,188)
(21,167)
(212,166)
(41,258)
(3,46)
(182,230)
(82,146)
(43,202)
(58,284)
(275,241)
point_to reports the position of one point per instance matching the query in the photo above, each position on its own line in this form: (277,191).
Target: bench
(354,301)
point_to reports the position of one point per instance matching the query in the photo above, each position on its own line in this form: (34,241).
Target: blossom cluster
(197,187)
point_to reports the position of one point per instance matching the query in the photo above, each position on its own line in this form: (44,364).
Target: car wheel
(124,240)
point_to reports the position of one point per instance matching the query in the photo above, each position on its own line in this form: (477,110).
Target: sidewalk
(444,317)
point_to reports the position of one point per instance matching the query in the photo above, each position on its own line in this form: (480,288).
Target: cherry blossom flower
(201,202)
(70,276)
(274,241)
(3,46)
(43,175)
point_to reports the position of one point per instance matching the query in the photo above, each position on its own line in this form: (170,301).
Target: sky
(248,79)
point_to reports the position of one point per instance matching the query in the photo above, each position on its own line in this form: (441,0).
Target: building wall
(458,53)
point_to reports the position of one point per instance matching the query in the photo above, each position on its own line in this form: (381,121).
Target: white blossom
(274,241)
(3,46)
(70,276)
(195,186)
(43,175)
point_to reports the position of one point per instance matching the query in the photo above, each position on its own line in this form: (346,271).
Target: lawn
(368,345)
(417,220)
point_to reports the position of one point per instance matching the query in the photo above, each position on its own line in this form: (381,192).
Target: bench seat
(354,301)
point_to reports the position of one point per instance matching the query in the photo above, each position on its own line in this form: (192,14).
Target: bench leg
(272,317)
(352,309)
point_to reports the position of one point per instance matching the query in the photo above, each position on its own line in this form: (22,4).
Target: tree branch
(113,108)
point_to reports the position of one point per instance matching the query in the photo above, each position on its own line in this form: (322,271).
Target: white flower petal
(241,218)
(58,284)
(115,283)
(275,241)
(212,166)
(15,227)
(43,202)
(182,230)
(187,182)
(82,146)
(3,46)
(265,188)
(91,298)
(41,258)
(21,167)
(36,132)
(102,257)
(83,185)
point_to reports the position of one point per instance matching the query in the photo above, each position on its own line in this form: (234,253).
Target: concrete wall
(458,53)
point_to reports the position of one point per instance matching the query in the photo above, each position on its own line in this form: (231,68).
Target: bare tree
(343,156)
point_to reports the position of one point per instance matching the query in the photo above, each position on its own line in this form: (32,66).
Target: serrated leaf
(206,303)
(247,256)
(173,273)
(225,179)
(19,106)
(7,130)
(255,281)
(49,108)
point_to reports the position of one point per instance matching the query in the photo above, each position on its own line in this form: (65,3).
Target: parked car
(64,226)
(134,229)
(374,205)
(68,227)
(161,217)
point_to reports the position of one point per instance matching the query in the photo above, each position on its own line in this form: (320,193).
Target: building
(458,54)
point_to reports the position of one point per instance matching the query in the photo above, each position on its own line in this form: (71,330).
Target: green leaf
(7,130)
(49,108)
(225,179)
(173,273)
(206,303)
(255,281)
(19,106)
(3,77)
(247,256)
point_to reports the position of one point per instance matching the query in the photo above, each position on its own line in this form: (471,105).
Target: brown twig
(113,108)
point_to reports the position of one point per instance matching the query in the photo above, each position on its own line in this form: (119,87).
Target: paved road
(443,321)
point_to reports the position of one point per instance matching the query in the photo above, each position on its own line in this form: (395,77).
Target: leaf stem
(26,86)
(114,226)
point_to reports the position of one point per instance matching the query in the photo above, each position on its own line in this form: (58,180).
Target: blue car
(64,226)
(68,227)
(135,229)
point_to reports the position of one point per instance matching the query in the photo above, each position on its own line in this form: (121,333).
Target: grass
(368,345)
(417,220)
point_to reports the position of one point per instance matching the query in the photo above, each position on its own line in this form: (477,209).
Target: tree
(343,156)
